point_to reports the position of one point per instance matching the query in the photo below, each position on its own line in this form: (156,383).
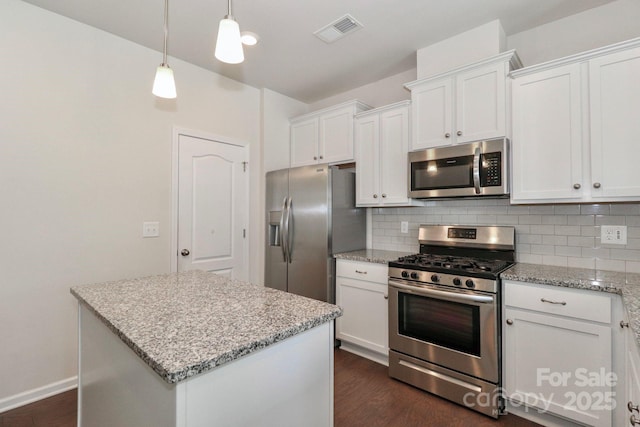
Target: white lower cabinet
(361,291)
(627,370)
(557,359)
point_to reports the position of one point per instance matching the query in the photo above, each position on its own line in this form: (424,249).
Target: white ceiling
(289,58)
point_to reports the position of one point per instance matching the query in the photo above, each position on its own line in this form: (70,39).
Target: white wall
(611,23)
(277,109)
(85,158)
(383,92)
(471,46)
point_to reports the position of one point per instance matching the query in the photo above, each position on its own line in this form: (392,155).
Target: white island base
(289,383)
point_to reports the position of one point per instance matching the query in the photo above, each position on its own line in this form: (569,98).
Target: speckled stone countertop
(183,324)
(625,284)
(377,256)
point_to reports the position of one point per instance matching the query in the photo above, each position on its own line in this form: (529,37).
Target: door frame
(175,151)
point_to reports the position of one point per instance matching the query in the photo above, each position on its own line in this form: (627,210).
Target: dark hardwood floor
(55,411)
(364,396)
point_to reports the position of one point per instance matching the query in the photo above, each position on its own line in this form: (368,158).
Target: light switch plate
(150,229)
(404,226)
(613,234)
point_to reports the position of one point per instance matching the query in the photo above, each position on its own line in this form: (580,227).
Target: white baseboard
(364,352)
(545,419)
(39,393)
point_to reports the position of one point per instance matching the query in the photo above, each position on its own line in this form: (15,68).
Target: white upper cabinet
(304,142)
(576,132)
(463,105)
(324,136)
(547,135)
(614,83)
(432,113)
(382,144)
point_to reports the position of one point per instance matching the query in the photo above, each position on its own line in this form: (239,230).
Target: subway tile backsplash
(565,235)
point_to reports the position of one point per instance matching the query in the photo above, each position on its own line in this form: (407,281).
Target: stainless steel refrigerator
(311,215)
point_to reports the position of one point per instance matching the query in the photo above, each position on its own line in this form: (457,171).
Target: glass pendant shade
(164,86)
(229,44)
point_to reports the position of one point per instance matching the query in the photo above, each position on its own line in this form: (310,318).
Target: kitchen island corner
(195,348)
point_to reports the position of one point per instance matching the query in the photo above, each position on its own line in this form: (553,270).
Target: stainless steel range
(444,313)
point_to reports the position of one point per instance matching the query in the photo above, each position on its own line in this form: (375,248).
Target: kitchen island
(198,349)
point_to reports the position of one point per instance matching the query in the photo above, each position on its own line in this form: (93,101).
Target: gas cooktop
(452,264)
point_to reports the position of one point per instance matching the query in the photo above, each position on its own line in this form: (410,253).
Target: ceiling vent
(338,29)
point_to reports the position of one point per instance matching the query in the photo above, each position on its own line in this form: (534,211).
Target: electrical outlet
(613,234)
(404,227)
(150,229)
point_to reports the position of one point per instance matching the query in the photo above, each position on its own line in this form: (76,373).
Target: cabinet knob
(386,296)
(185,252)
(577,186)
(624,324)
(632,408)
(459,133)
(596,185)
(447,135)
(315,158)
(375,196)
(384,196)
(634,421)
(509,322)
(321,157)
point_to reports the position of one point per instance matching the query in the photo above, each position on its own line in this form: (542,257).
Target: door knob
(185,252)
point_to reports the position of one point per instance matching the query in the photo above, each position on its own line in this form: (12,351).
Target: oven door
(456,329)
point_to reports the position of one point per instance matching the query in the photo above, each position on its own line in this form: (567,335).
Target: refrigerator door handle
(281,231)
(288,229)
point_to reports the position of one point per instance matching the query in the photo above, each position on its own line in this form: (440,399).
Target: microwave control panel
(491,170)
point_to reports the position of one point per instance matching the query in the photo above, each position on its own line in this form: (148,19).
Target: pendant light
(164,86)
(229,44)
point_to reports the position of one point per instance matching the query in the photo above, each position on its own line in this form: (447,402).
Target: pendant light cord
(166,31)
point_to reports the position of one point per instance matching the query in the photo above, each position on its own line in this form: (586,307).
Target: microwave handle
(476,170)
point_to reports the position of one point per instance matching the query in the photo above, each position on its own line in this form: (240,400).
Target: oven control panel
(442,279)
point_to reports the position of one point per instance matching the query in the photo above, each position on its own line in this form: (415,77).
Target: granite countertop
(377,256)
(625,284)
(183,324)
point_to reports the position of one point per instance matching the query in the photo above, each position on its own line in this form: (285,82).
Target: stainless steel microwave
(467,170)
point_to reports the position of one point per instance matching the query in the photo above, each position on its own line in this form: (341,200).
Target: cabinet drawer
(576,303)
(369,271)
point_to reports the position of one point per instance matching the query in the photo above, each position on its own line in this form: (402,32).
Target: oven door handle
(444,295)
(476,170)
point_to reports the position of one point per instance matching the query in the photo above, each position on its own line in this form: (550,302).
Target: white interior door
(212,207)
